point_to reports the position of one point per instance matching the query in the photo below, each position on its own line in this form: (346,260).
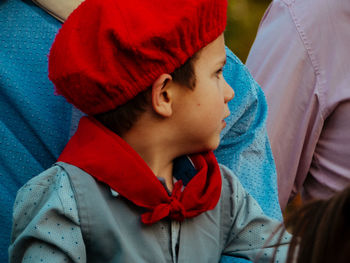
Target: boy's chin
(215,144)
(207,146)
(212,146)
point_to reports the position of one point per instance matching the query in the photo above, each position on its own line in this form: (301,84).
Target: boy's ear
(162,95)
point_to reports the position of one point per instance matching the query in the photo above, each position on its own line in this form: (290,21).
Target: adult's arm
(300,58)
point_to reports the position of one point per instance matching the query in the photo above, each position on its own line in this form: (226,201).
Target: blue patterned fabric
(245,147)
(34,123)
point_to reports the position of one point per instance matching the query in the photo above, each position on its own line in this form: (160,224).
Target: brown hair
(321,231)
(121,119)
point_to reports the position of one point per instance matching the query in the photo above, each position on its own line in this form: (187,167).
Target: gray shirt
(64,215)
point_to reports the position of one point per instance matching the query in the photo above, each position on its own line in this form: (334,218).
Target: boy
(138,182)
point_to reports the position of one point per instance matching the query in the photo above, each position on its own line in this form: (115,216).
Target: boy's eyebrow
(223,62)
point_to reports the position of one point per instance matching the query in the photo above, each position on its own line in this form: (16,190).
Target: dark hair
(321,231)
(121,119)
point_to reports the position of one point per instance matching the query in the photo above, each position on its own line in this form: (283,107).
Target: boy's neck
(155,148)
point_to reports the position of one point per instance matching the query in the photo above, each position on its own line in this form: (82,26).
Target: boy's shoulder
(230,182)
(234,197)
(49,191)
(49,178)
(49,187)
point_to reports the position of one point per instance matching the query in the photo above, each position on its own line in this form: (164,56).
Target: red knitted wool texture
(109,51)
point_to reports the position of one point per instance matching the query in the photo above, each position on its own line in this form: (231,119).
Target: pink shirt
(301,58)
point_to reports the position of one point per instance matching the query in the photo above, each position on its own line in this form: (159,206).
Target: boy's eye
(219,73)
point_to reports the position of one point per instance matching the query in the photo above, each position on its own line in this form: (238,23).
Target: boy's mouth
(224,122)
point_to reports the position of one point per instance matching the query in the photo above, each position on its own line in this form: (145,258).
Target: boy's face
(201,111)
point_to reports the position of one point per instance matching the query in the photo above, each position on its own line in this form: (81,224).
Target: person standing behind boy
(138,182)
(301,59)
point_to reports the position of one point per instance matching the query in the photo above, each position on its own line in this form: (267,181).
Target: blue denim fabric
(34,123)
(245,147)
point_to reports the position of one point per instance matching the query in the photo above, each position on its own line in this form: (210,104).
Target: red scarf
(108,158)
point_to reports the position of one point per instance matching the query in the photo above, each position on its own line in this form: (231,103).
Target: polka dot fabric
(250,229)
(34,123)
(51,215)
(51,220)
(244,146)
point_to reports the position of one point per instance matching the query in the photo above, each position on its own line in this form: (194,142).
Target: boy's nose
(229,92)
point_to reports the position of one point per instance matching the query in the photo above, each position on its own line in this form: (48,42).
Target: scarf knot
(174,209)
(177,210)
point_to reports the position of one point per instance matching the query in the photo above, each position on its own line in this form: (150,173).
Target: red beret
(110,50)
